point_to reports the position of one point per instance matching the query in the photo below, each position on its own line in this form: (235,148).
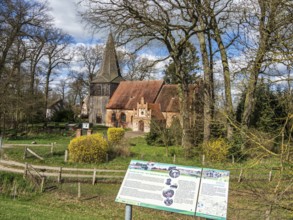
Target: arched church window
(113,118)
(123,117)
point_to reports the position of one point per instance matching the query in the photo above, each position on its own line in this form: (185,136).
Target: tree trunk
(184,113)
(266,27)
(207,87)
(227,81)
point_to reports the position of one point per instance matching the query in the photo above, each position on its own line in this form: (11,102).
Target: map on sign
(172,188)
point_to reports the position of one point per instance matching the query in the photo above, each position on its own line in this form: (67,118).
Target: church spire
(109,70)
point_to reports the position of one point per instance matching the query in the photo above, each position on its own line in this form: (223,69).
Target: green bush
(216,150)
(63,115)
(89,149)
(237,143)
(119,150)
(115,135)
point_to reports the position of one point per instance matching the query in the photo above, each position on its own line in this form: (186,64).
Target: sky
(65,17)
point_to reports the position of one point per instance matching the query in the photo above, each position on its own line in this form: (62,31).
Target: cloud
(66,17)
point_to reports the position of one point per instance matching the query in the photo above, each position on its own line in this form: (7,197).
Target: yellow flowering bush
(216,150)
(115,135)
(89,149)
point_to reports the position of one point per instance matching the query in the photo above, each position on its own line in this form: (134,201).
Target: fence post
(240,176)
(14,190)
(270,175)
(174,158)
(66,156)
(60,175)
(42,184)
(94,176)
(25,170)
(233,159)
(107,158)
(24,153)
(128,212)
(78,190)
(52,148)
(203,160)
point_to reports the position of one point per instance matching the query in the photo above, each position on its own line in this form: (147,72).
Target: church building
(116,102)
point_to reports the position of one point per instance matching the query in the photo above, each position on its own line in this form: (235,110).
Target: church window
(123,117)
(113,118)
(141,112)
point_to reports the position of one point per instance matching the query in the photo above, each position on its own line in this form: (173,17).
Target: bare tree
(21,22)
(90,57)
(56,55)
(137,68)
(19,18)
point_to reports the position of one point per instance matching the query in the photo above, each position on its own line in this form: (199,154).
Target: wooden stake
(107,158)
(270,175)
(60,175)
(78,190)
(52,148)
(66,156)
(233,159)
(24,153)
(174,158)
(94,176)
(240,176)
(42,184)
(25,170)
(203,159)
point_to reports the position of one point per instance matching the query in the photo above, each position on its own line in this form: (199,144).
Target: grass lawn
(247,200)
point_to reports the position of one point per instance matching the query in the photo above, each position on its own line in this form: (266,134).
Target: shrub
(237,144)
(216,150)
(115,135)
(119,150)
(89,149)
(63,115)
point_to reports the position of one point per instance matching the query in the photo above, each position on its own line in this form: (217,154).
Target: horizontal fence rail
(236,174)
(60,172)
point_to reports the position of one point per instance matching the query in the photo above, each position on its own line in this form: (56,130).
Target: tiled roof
(168,99)
(156,111)
(129,93)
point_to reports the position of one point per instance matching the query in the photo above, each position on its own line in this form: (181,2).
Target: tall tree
(90,57)
(270,21)
(56,55)
(19,18)
(137,68)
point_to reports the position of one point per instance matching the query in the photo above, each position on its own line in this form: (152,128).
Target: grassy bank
(248,199)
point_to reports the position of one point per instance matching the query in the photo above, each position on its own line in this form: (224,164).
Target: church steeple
(109,70)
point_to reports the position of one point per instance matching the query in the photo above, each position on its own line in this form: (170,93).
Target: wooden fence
(60,172)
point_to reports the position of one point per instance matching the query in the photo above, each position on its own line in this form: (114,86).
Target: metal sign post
(128,212)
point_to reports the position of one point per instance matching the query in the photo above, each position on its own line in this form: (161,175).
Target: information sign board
(85,125)
(175,188)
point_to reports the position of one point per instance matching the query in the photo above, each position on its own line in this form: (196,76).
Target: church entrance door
(141,126)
